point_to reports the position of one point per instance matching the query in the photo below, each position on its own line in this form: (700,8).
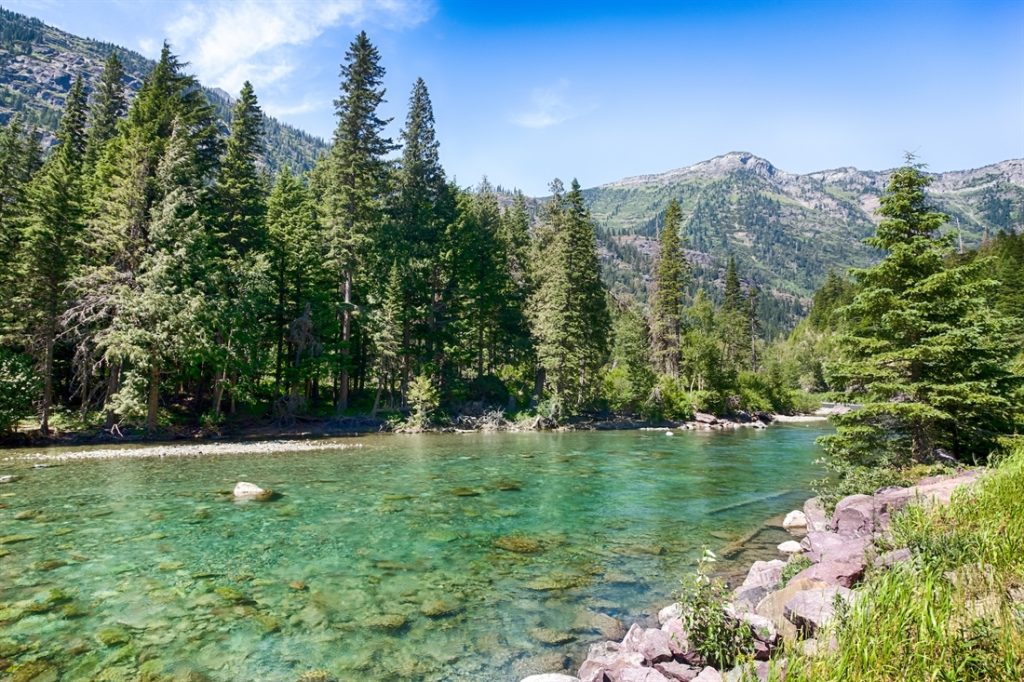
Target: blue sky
(527,91)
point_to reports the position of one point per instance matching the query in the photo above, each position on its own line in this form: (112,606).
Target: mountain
(38,64)
(785,230)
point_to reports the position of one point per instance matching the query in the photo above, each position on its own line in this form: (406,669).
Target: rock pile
(839,548)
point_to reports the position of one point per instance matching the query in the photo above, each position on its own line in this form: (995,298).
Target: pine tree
(568,309)
(240,189)
(629,379)
(670,280)
(49,255)
(354,186)
(295,252)
(109,106)
(386,328)
(735,321)
(421,212)
(923,353)
(20,158)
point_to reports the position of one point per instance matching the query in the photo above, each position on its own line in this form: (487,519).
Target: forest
(156,273)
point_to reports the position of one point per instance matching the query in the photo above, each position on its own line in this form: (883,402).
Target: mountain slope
(38,64)
(785,230)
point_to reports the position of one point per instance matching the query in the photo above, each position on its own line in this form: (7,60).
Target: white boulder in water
(250,491)
(790,547)
(669,433)
(795,519)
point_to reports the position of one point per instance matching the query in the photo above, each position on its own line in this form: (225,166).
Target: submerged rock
(795,520)
(387,621)
(439,608)
(520,544)
(36,671)
(550,636)
(550,677)
(11,539)
(8,478)
(113,635)
(603,624)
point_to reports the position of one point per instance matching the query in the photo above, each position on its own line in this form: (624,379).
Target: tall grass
(955,611)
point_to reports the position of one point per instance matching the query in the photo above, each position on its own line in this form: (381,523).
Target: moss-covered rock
(440,608)
(113,635)
(231,594)
(550,636)
(35,671)
(387,621)
(12,539)
(520,544)
(465,492)
(268,623)
(317,676)
(49,564)
(10,648)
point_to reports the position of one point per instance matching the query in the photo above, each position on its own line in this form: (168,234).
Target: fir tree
(923,353)
(569,312)
(670,281)
(48,257)
(240,189)
(20,158)
(629,379)
(109,106)
(354,185)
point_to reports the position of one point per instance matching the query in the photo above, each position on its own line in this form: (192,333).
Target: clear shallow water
(415,557)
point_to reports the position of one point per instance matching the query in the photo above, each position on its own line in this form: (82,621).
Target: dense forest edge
(161,281)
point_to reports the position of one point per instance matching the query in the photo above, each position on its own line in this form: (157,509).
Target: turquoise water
(435,557)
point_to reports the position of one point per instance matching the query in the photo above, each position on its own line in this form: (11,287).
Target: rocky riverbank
(786,604)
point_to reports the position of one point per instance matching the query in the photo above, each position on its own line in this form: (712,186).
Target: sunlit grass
(956,611)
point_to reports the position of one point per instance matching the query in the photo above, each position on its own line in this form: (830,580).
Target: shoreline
(312,430)
(781,614)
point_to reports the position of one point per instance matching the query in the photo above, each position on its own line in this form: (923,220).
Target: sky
(527,91)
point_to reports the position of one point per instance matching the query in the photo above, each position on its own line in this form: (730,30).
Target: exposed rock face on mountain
(785,230)
(38,64)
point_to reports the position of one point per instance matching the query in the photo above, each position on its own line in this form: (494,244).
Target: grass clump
(794,566)
(956,611)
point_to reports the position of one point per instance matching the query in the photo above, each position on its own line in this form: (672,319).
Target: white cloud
(549,106)
(307,105)
(227,42)
(149,47)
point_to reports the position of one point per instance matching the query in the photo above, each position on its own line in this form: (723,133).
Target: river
(432,557)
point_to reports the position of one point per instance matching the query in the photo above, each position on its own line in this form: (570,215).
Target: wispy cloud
(227,42)
(305,106)
(549,106)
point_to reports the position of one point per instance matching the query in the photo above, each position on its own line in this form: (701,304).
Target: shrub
(424,400)
(18,386)
(794,566)
(718,637)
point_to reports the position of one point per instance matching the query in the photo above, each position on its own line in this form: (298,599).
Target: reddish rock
(678,640)
(677,671)
(854,516)
(810,610)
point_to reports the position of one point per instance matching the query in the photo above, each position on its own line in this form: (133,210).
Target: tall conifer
(671,277)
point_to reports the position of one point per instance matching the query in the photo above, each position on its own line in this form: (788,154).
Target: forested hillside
(38,64)
(786,231)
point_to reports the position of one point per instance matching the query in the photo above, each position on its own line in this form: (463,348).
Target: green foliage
(921,349)
(672,274)
(424,399)
(670,399)
(714,634)
(950,612)
(795,564)
(18,383)
(628,379)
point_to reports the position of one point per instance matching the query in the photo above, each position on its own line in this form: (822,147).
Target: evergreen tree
(670,281)
(109,106)
(923,353)
(629,379)
(48,257)
(386,327)
(354,186)
(20,158)
(569,314)
(421,211)
(240,189)
(734,322)
(295,252)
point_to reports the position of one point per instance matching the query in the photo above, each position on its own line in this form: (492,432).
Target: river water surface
(434,557)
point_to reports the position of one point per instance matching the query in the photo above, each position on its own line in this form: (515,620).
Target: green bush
(794,566)
(712,632)
(424,400)
(669,399)
(18,387)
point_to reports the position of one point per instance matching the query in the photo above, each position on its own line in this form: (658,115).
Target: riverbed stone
(842,567)
(680,672)
(36,671)
(601,623)
(674,610)
(518,544)
(113,635)
(814,512)
(651,643)
(795,520)
(810,610)
(790,547)
(440,608)
(747,598)
(763,628)
(854,516)
(8,478)
(250,491)
(550,677)
(678,638)
(708,674)
(551,636)
(642,675)
(892,557)
(765,574)
(773,606)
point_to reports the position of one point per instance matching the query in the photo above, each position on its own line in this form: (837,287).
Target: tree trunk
(346,334)
(113,383)
(44,408)
(154,397)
